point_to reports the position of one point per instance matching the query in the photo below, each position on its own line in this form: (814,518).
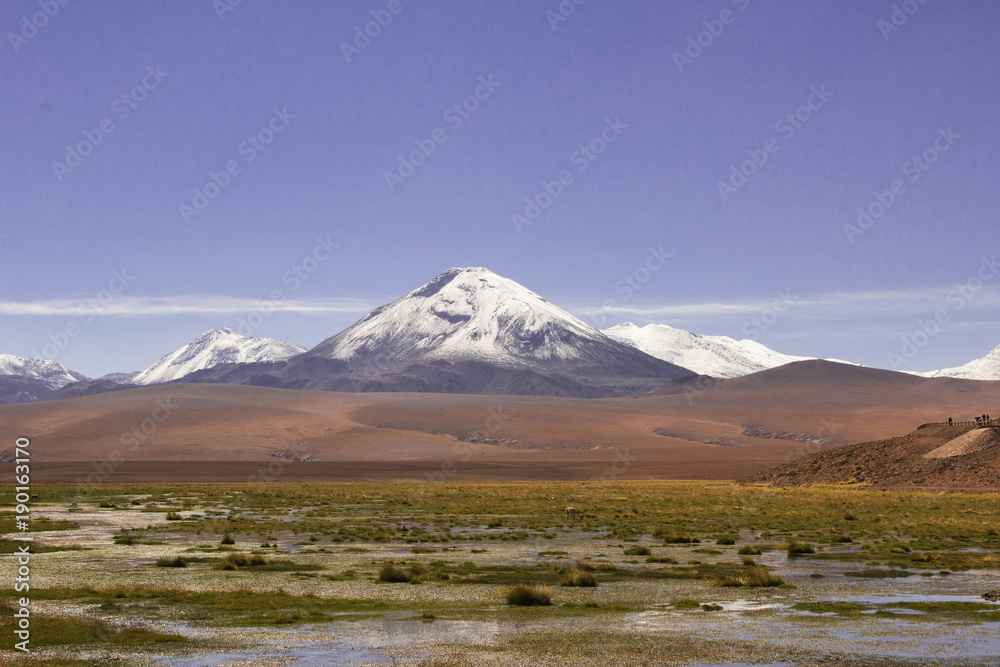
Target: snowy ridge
(718,356)
(52,374)
(218,346)
(120,378)
(471,314)
(984,368)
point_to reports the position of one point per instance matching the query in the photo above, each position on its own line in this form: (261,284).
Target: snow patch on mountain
(218,346)
(52,374)
(984,368)
(718,356)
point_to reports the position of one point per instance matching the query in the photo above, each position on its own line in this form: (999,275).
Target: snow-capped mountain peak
(52,374)
(214,347)
(474,314)
(984,368)
(718,356)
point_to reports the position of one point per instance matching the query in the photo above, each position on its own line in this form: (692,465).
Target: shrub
(527,595)
(661,559)
(680,539)
(495,523)
(392,573)
(257,559)
(748,561)
(799,548)
(726,540)
(171,562)
(686,604)
(578,578)
(236,560)
(227,539)
(174,516)
(755,577)
(747,550)
(418,570)
(637,551)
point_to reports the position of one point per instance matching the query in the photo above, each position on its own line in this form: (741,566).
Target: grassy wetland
(492,574)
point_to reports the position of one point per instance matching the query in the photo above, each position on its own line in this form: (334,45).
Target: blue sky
(169,167)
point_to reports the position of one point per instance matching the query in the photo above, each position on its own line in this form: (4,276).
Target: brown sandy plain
(706,429)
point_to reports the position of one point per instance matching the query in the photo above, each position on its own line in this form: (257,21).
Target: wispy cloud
(829,306)
(130,306)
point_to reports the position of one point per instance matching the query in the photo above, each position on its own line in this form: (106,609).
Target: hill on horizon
(931,458)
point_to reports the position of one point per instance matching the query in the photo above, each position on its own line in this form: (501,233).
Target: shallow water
(321,655)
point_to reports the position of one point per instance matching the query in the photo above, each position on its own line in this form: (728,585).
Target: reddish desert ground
(705,430)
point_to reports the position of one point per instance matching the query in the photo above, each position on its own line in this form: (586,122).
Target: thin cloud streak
(838,305)
(125,306)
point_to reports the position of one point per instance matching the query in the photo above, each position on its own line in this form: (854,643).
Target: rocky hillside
(932,458)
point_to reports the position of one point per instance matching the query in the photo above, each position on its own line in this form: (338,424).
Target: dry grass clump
(800,548)
(675,538)
(171,562)
(756,576)
(416,573)
(227,539)
(638,551)
(528,595)
(235,561)
(580,578)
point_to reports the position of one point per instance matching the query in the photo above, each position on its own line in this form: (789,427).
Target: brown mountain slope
(706,430)
(932,458)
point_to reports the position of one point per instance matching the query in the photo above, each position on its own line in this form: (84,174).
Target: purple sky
(631,124)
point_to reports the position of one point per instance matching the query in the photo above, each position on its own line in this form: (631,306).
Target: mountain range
(468,330)
(717,356)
